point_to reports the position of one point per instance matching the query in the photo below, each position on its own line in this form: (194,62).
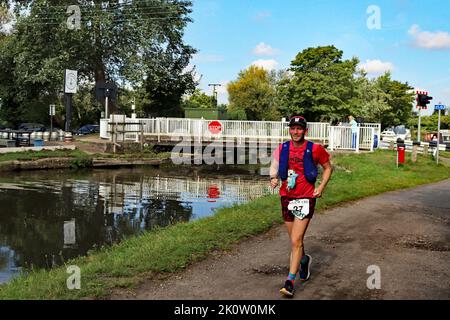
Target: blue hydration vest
(309,168)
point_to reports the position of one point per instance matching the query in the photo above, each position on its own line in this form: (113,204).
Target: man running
(298,192)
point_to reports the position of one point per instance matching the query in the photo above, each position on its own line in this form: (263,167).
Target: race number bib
(299,208)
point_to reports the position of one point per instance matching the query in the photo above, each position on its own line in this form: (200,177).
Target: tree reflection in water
(48,218)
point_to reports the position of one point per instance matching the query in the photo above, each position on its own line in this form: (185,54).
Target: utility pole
(439,107)
(106,103)
(418,125)
(214,85)
(133,108)
(52,113)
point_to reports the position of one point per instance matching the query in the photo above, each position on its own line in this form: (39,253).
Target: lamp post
(214,85)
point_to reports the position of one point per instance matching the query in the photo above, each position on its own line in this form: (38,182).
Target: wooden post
(425,149)
(391,145)
(114,137)
(142,137)
(414,152)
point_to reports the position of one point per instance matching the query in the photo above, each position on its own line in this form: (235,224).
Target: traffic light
(423,99)
(103,90)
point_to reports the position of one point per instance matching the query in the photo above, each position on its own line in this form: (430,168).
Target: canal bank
(80,155)
(163,251)
(78,163)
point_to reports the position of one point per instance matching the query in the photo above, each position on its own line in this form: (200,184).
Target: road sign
(215,127)
(52,109)
(70,83)
(439,107)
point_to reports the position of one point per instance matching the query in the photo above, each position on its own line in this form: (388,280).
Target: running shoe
(305,266)
(288,288)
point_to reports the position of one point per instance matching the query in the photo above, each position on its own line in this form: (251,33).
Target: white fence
(342,138)
(242,131)
(198,128)
(386,144)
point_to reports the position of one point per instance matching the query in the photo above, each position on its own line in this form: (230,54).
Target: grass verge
(35,155)
(172,248)
(78,159)
(444,154)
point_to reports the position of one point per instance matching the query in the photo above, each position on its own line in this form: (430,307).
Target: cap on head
(297,120)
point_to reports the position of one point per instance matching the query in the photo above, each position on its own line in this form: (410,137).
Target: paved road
(405,233)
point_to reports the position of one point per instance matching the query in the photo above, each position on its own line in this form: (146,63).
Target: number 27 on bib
(299,208)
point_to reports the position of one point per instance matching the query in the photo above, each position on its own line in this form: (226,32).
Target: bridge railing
(198,130)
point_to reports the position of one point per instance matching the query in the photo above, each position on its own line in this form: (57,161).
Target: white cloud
(429,40)
(376,66)
(263,49)
(269,64)
(222,92)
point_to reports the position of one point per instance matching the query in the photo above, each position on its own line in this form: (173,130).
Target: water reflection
(48,218)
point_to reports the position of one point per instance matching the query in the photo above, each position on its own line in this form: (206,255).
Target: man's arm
(274,172)
(274,167)
(327,170)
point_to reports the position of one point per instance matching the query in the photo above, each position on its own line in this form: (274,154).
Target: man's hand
(317,192)
(273,182)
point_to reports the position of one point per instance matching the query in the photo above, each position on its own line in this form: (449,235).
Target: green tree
(198,99)
(430,123)
(369,101)
(399,97)
(321,85)
(137,44)
(253,93)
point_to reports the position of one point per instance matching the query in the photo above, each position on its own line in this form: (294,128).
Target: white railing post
(158,129)
(372,140)
(357,139)
(331,139)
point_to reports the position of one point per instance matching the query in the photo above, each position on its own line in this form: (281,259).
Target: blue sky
(413,38)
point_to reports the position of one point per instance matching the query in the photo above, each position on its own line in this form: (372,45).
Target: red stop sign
(213,193)
(215,127)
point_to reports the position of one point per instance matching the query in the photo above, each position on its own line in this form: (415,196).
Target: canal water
(49,217)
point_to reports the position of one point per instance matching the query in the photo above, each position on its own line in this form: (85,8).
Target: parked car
(31,127)
(392,134)
(388,134)
(402,132)
(88,129)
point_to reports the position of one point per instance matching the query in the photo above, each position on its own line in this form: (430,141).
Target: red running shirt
(303,189)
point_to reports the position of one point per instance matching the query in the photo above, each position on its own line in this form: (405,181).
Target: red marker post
(401,148)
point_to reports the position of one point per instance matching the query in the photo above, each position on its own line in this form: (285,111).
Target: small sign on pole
(438,107)
(52,113)
(71,80)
